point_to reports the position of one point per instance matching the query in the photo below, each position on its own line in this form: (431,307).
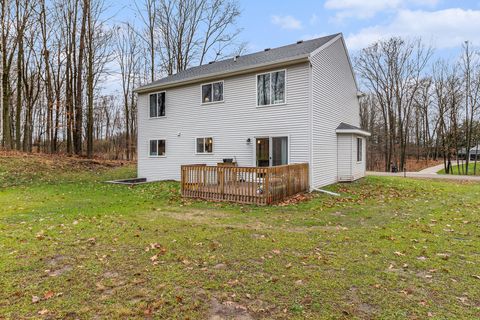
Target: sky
(444,24)
(441,23)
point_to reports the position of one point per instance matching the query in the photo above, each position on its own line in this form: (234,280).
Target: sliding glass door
(263,152)
(271,151)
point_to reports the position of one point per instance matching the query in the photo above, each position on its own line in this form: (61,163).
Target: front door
(271,151)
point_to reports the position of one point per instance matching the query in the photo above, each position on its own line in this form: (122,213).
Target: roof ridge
(285,53)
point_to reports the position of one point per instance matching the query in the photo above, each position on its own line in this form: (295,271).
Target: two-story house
(293,104)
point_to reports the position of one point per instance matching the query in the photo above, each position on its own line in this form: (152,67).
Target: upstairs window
(157,148)
(271,88)
(359,149)
(212,92)
(205,145)
(157,105)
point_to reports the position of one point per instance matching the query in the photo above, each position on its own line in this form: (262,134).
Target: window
(157,148)
(271,88)
(212,92)
(204,145)
(359,149)
(157,105)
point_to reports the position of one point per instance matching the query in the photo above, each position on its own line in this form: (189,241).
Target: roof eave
(354,131)
(216,75)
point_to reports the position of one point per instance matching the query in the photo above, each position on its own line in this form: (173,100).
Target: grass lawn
(74,247)
(460,170)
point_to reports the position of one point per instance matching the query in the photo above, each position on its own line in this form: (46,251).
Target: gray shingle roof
(272,56)
(345,126)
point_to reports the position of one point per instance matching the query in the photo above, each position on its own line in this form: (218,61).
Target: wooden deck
(254,185)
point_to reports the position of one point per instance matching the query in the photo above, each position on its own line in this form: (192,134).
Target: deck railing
(255,185)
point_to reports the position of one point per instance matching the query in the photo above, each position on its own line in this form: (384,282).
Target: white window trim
(157,156)
(157,117)
(212,102)
(356,155)
(256,89)
(204,153)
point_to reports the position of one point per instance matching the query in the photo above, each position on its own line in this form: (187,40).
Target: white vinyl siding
(345,157)
(237,120)
(359,167)
(334,100)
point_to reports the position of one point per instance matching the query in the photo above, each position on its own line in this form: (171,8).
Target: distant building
(474,153)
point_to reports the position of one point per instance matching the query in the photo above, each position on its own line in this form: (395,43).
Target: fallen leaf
(35,299)
(100,286)
(148,312)
(444,256)
(48,295)
(43,312)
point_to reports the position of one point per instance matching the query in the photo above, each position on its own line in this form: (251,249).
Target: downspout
(327,192)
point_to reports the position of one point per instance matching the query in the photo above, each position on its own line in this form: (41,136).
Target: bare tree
(128,59)
(392,70)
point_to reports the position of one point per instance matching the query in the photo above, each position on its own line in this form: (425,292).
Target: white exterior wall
(349,168)
(229,123)
(345,157)
(358,167)
(334,100)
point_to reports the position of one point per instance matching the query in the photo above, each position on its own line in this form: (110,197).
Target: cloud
(313,19)
(362,9)
(443,28)
(286,22)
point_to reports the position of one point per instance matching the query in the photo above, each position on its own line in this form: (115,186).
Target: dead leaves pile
(301,197)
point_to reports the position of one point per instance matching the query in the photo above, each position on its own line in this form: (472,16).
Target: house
(293,104)
(474,153)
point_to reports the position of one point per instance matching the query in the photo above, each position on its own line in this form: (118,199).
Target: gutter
(216,75)
(354,131)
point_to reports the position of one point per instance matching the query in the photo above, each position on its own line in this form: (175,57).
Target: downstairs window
(157,148)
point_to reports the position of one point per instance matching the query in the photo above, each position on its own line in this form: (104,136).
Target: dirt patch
(228,310)
(214,218)
(110,274)
(57,266)
(56,260)
(358,307)
(60,271)
(199,216)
